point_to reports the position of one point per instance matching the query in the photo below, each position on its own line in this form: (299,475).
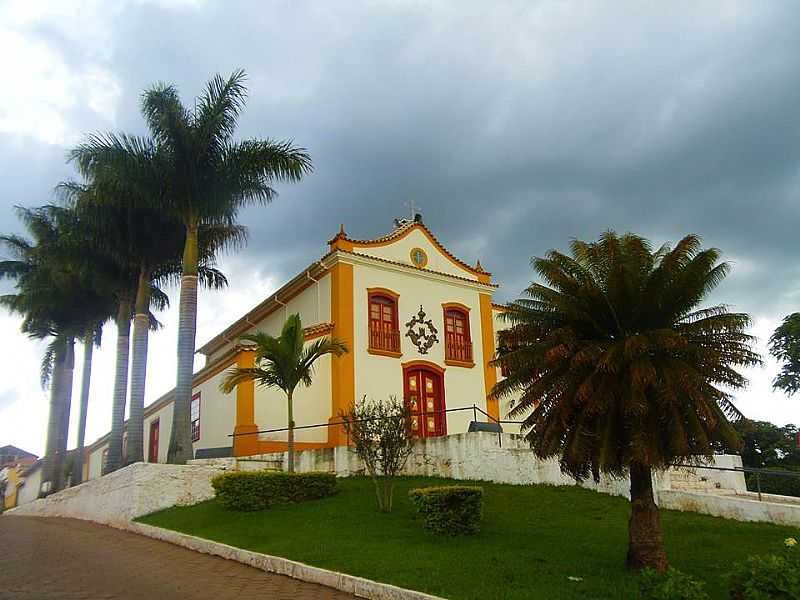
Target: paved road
(67,559)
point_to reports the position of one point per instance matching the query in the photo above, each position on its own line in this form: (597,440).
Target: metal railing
(758,471)
(474,408)
(457,348)
(384,339)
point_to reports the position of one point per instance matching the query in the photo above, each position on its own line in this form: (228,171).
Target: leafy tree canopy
(613,361)
(785,346)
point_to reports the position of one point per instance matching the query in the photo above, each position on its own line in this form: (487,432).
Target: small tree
(380,434)
(283,362)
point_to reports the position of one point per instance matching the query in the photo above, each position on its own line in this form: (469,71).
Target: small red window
(384,332)
(195,417)
(457,342)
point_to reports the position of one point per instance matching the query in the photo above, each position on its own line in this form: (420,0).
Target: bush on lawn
(768,577)
(450,510)
(672,585)
(257,490)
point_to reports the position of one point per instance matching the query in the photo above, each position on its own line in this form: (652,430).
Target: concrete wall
(29,490)
(781,510)
(480,456)
(136,490)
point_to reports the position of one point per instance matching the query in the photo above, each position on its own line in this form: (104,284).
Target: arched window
(457,341)
(384,331)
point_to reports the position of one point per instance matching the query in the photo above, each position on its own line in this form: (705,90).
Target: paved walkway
(67,559)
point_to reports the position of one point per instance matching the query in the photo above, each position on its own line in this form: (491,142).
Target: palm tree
(209,178)
(56,299)
(283,362)
(146,244)
(617,368)
(90,338)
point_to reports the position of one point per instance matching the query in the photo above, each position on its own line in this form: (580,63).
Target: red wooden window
(152,453)
(195,416)
(384,331)
(457,342)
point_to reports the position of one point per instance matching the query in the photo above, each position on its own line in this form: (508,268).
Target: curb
(358,586)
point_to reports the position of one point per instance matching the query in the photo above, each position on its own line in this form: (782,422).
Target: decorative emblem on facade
(422,332)
(419,258)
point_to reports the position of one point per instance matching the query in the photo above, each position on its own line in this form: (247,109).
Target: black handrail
(757,470)
(474,408)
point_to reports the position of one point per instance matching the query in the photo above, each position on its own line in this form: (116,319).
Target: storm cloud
(515,127)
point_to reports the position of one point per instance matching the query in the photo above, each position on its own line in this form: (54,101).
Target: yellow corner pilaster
(245,443)
(488,345)
(343,387)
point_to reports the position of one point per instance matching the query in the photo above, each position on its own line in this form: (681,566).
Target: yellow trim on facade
(343,373)
(315,331)
(388,353)
(459,363)
(245,441)
(342,242)
(458,305)
(488,345)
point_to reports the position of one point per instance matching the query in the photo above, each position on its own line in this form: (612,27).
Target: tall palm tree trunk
(180,441)
(66,404)
(290,436)
(88,351)
(141,330)
(114,460)
(53,425)
(645,539)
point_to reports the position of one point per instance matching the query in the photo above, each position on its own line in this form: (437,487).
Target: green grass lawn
(532,539)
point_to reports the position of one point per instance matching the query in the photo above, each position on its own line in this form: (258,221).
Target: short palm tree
(283,362)
(616,368)
(209,178)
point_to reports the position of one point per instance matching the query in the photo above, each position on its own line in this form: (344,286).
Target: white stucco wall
(29,490)
(312,406)
(313,304)
(381,376)
(136,490)
(217,414)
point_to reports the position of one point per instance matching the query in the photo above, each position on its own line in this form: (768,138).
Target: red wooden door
(424,397)
(152,453)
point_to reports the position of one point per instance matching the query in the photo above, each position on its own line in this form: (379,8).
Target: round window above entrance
(418,257)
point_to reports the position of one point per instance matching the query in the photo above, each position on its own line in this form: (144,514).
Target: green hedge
(450,510)
(257,490)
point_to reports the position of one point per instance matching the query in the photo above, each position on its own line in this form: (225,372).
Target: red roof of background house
(11,455)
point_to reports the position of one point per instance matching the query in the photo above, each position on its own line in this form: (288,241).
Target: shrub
(257,490)
(450,510)
(768,577)
(380,434)
(672,585)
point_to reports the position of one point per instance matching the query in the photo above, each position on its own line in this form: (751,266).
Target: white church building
(419,324)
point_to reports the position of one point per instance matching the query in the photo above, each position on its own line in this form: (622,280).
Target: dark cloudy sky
(515,126)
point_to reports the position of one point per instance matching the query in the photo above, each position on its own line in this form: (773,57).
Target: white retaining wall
(131,492)
(484,456)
